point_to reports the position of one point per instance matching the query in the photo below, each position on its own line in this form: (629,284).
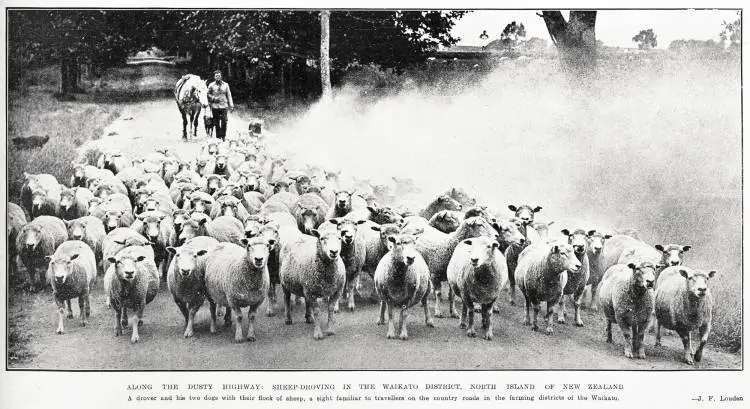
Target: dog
(208,122)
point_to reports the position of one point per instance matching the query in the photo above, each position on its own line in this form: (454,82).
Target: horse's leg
(184,124)
(196,116)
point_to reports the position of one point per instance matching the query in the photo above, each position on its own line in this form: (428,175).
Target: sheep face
(179,217)
(197,204)
(477,211)
(564,258)
(112,219)
(251,182)
(596,241)
(79,176)
(213,184)
(332,176)
(93,204)
(151,205)
(697,282)
(309,219)
(109,159)
(152,225)
(302,183)
(200,165)
(525,212)
(644,277)
(280,186)
(476,226)
(60,267)
(542,228)
(186,260)
(67,199)
(672,254)
(482,250)
(577,239)
(38,199)
(343,200)
(448,203)
(508,231)
(252,228)
(402,249)
(32,235)
(329,243)
(221,163)
(449,221)
(125,267)
(270,233)
(348,229)
(462,197)
(257,251)
(190,229)
(384,215)
(212,149)
(76,230)
(183,166)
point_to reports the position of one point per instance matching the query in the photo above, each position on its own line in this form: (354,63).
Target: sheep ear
(271,242)
(202,252)
(565,232)
(631,266)
(376,227)
(537,209)
(359,222)
(244,241)
(335,221)
(591,233)
(315,233)
(608,236)
(67,223)
(74,256)
(513,208)
(686,248)
(555,249)
(392,239)
(468,242)
(495,245)
(711,274)
(684,273)
(112,259)
(48,258)
(372,209)
(172,250)
(659,247)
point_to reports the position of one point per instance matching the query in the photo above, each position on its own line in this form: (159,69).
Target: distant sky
(613,27)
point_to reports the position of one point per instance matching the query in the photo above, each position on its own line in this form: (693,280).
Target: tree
(512,34)
(325,62)
(646,39)
(731,32)
(575,39)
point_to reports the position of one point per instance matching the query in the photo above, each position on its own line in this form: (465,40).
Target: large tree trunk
(575,39)
(325,62)
(69,74)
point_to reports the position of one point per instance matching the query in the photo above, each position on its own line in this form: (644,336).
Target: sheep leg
(658,334)
(139,315)
(212,309)
(88,305)
(487,321)
(451,303)
(577,299)
(82,309)
(250,324)
(70,309)
(336,305)
(470,311)
(271,300)
(183,308)
(464,312)
(237,312)
(381,319)
(192,310)
(438,297)
(61,315)
(626,329)
(404,334)
(118,321)
(527,320)
(309,301)
(288,306)
(227,317)
(391,330)
(687,344)
(594,301)
(638,349)
(549,316)
(705,329)
(125,320)
(330,328)
(350,293)
(609,331)
(427,319)
(561,310)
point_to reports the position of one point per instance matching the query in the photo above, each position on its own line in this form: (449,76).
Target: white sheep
(684,303)
(402,279)
(158,228)
(72,272)
(595,253)
(225,229)
(131,281)
(477,272)
(119,239)
(41,181)
(90,230)
(353,253)
(626,297)
(237,277)
(74,203)
(35,242)
(442,202)
(577,281)
(186,277)
(311,267)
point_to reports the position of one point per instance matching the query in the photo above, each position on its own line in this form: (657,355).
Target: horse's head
(200,91)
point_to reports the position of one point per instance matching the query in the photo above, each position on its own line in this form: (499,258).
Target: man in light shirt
(220,100)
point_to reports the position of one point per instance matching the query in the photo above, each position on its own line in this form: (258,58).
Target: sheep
(130,176)
(253,201)
(342,204)
(280,202)
(476,272)
(200,202)
(311,267)
(185,277)
(353,253)
(270,232)
(229,206)
(251,181)
(310,212)
(112,160)
(437,247)
(542,228)
(447,221)
(74,203)
(105,187)
(626,297)
(78,178)
(131,281)
(119,239)
(615,246)
(279,186)
(179,192)
(442,202)
(301,184)
(72,273)
(508,233)
(237,277)
(251,227)
(524,218)
(16,221)
(158,228)
(43,204)
(213,183)
(44,182)
(221,166)
(541,276)
(179,217)
(402,279)
(276,169)
(376,214)
(37,240)
(576,283)
(595,253)
(90,230)
(684,303)
(225,229)
(458,194)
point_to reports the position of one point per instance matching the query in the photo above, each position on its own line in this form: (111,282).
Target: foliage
(732,32)
(646,39)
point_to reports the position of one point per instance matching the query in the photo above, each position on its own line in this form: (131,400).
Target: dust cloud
(654,143)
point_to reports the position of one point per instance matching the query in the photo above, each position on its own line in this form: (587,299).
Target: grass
(19,339)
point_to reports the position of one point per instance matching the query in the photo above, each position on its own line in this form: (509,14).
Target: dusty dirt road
(358,343)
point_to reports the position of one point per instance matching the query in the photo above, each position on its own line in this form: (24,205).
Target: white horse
(191,94)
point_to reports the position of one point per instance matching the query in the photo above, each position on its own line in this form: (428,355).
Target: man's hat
(217,72)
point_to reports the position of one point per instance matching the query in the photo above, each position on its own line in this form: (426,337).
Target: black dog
(208,121)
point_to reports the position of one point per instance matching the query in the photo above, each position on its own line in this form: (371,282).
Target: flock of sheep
(234,222)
